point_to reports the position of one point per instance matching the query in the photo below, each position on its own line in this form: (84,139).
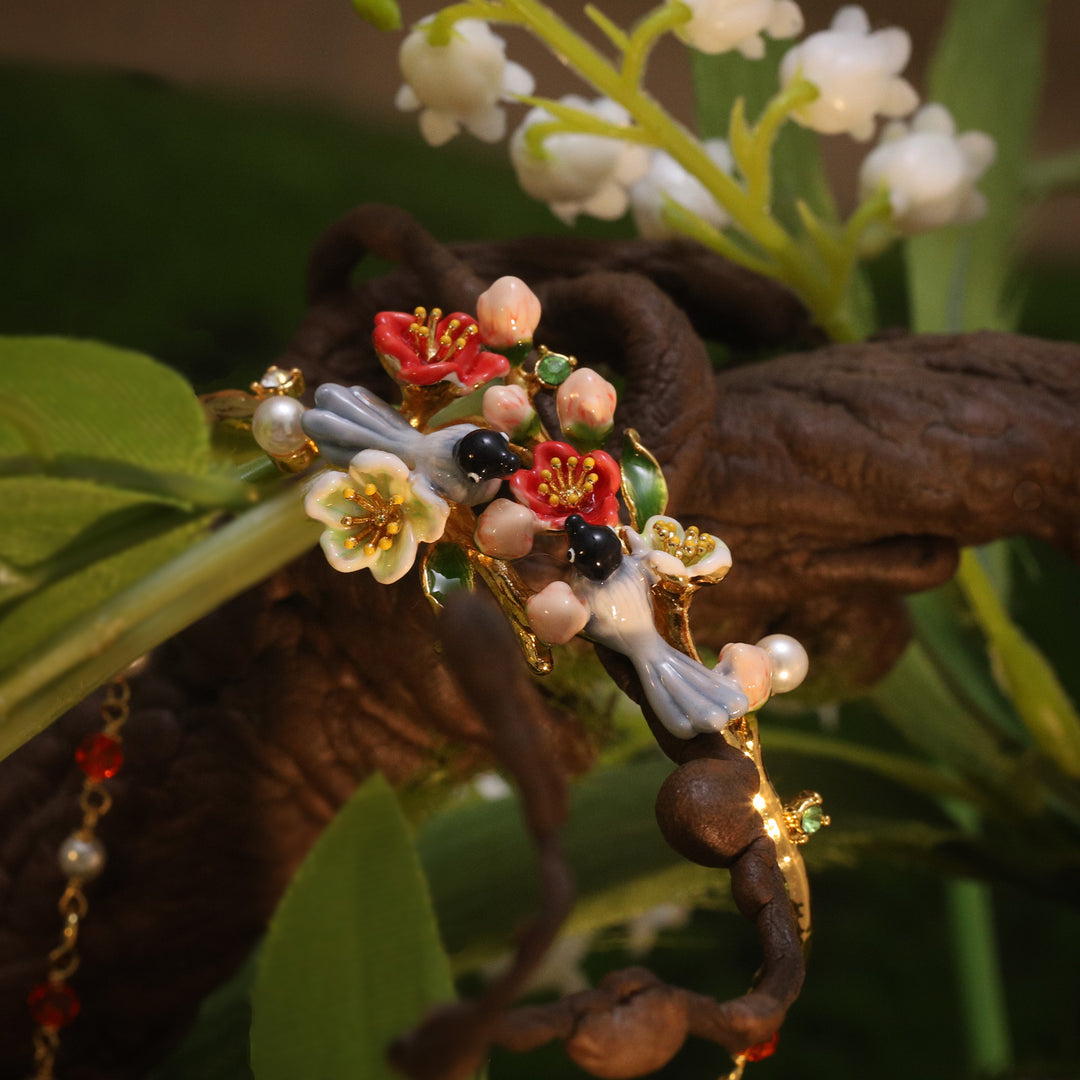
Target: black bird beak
(486,455)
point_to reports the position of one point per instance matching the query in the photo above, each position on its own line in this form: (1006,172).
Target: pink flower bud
(752,669)
(556,614)
(507,408)
(507,313)
(505,530)
(586,400)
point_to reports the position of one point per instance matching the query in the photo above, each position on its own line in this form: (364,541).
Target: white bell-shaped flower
(459,85)
(929,171)
(580,173)
(857,74)
(718,26)
(666,177)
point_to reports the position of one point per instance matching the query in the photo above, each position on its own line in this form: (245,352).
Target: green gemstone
(554,369)
(812,819)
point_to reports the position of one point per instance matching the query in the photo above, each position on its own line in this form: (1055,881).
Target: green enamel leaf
(446,569)
(352,958)
(643,485)
(382,14)
(958,276)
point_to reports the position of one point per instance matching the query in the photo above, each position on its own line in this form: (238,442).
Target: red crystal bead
(53,1004)
(100,756)
(760,1051)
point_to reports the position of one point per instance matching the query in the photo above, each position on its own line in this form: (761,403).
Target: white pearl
(80,857)
(276,425)
(789,661)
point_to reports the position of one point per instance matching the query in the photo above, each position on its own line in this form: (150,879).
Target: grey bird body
(347,420)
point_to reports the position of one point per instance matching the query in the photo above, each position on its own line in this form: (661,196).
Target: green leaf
(643,485)
(446,569)
(352,957)
(924,709)
(104,460)
(1026,675)
(958,276)
(382,14)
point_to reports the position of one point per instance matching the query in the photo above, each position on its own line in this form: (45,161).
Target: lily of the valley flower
(508,408)
(929,171)
(424,348)
(679,553)
(718,26)
(580,173)
(585,403)
(508,313)
(856,73)
(563,481)
(460,84)
(376,514)
(667,178)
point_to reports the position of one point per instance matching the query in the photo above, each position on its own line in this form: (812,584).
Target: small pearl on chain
(81,857)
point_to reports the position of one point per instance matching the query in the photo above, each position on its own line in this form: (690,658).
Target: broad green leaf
(446,568)
(945,629)
(382,14)
(987,72)
(104,462)
(1025,674)
(923,708)
(643,485)
(95,401)
(352,957)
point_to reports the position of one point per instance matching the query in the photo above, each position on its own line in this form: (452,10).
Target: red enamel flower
(563,482)
(423,349)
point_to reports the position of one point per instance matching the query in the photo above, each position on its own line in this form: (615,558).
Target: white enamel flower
(377,514)
(674,552)
(857,74)
(666,178)
(459,85)
(717,26)
(580,173)
(929,171)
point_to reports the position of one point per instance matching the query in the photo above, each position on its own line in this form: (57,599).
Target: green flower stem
(647,33)
(441,28)
(690,224)
(978,967)
(1029,679)
(613,33)
(106,640)
(569,119)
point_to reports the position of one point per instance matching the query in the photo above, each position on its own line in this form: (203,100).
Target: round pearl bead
(81,858)
(276,426)
(789,661)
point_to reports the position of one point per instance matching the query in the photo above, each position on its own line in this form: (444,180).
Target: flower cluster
(603,156)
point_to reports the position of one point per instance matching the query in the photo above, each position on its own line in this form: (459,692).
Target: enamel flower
(680,554)
(717,26)
(585,403)
(508,313)
(667,179)
(929,171)
(562,482)
(856,72)
(507,408)
(579,173)
(459,84)
(424,348)
(376,514)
